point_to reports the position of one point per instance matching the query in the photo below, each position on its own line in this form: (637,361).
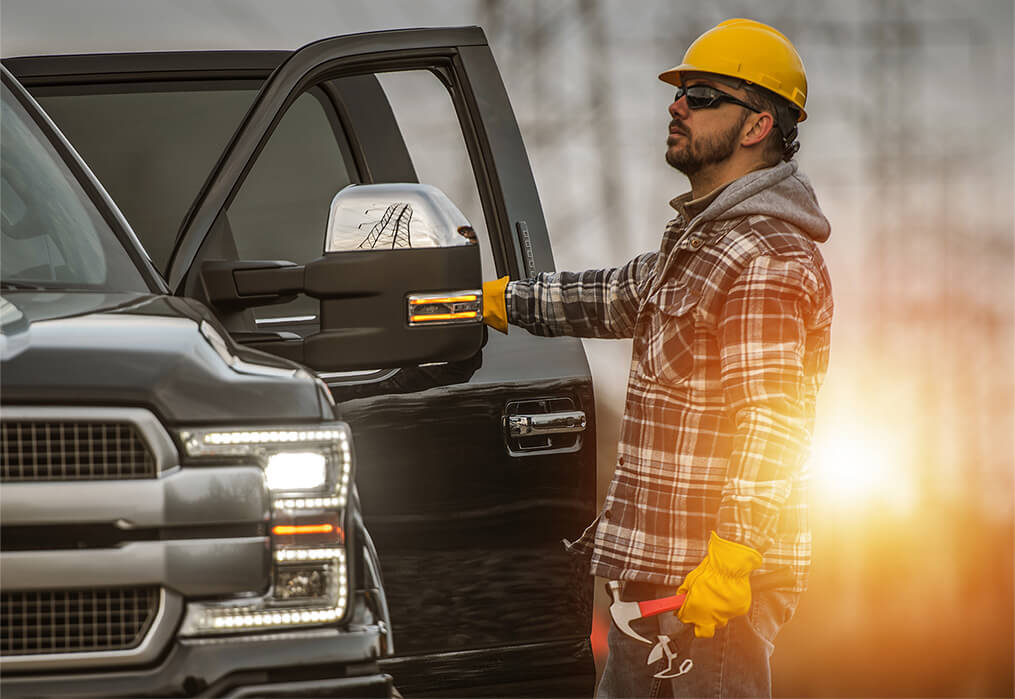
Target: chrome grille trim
(159,632)
(50,444)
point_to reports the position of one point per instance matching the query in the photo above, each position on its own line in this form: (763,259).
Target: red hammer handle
(663,604)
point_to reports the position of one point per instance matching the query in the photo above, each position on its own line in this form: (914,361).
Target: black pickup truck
(279,200)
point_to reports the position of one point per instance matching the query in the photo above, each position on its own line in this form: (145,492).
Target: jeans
(733,663)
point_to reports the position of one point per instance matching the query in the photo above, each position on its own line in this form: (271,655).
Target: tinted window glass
(281,210)
(52,234)
(152,146)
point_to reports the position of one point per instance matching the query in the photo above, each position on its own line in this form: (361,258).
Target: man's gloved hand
(494,309)
(719,589)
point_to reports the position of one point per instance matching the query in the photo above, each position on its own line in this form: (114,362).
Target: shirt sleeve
(595,303)
(763,332)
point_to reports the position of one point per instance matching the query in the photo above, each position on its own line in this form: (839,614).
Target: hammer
(623,613)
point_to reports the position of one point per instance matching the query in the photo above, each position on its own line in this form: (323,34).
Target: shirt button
(620,461)
(695,243)
(607,514)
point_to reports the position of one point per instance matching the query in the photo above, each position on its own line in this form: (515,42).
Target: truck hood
(164,353)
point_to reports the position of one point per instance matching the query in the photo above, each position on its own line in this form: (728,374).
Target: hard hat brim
(672,76)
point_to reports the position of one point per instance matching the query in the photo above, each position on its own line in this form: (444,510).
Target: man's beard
(696,154)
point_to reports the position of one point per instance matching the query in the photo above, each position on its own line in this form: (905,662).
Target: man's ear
(758,127)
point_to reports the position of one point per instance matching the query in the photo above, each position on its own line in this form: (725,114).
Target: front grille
(67,451)
(75,621)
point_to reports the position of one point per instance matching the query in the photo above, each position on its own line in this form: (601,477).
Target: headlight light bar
(311,578)
(207,618)
(307,503)
(288,555)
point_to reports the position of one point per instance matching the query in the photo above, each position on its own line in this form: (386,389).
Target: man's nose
(678,108)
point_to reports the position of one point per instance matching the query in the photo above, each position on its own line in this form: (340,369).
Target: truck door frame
(504,176)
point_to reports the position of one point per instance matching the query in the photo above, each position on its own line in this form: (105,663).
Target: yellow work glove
(719,589)
(494,308)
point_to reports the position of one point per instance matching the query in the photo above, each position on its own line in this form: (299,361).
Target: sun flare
(857,467)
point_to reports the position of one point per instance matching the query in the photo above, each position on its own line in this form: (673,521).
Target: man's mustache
(676,125)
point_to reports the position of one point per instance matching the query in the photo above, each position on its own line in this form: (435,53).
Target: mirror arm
(259,282)
(346,275)
(247,283)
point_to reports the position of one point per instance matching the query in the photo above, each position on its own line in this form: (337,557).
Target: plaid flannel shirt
(731,322)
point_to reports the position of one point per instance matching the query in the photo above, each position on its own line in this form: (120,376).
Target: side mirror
(395,217)
(400,283)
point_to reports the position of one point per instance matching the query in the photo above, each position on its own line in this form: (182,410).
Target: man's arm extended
(763,339)
(595,303)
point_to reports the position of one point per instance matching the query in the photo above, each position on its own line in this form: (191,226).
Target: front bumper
(320,662)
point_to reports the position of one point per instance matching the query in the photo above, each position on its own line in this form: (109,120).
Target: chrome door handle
(548,423)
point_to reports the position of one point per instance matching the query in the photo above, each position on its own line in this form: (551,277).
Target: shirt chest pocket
(667,335)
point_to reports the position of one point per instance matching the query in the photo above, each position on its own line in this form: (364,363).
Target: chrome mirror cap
(394,216)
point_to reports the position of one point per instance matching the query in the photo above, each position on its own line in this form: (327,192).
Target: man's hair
(781,143)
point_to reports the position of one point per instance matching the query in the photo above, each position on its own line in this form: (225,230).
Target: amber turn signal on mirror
(457,307)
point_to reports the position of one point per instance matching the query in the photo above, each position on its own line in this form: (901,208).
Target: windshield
(52,235)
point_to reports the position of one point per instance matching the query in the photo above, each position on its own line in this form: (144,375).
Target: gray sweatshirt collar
(780,192)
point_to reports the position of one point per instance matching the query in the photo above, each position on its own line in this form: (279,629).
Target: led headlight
(307,472)
(295,471)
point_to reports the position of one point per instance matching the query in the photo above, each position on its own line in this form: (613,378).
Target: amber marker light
(294,529)
(464,315)
(465,306)
(444,299)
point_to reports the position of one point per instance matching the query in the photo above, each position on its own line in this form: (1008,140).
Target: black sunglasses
(706,97)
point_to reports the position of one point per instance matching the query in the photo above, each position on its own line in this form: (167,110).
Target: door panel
(470,535)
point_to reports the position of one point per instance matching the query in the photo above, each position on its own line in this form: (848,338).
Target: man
(730,320)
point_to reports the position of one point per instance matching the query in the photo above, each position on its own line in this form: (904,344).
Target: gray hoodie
(781,192)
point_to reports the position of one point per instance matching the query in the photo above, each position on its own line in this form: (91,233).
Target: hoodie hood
(780,192)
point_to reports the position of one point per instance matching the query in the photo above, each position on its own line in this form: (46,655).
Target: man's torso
(678,432)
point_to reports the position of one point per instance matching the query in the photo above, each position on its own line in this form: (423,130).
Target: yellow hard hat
(751,51)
